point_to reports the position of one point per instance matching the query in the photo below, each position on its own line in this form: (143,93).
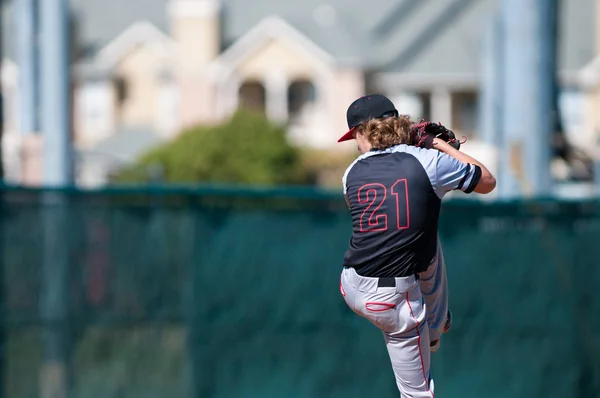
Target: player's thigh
(392,311)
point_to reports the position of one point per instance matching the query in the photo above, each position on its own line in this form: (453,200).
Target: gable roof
(266,30)
(142,32)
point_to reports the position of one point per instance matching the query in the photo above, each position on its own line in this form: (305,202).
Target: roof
(393,36)
(407,35)
(128,143)
(459,43)
(97,22)
(577,33)
(448,32)
(340,27)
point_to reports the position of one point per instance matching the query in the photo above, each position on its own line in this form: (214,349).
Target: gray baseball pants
(411,312)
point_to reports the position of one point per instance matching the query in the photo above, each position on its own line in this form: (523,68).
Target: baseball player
(394,271)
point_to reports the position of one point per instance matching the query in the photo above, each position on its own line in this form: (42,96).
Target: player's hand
(441,145)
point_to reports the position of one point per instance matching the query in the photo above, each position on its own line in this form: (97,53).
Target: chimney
(196,30)
(195,27)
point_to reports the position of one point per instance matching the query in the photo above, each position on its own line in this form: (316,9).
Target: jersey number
(374,195)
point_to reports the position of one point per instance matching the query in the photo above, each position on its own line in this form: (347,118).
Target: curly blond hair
(387,132)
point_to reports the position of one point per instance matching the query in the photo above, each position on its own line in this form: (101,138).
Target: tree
(246,149)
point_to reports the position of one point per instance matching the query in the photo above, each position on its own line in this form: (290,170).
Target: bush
(246,149)
(328,165)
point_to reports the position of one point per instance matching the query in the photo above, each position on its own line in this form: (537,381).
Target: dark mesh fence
(219,292)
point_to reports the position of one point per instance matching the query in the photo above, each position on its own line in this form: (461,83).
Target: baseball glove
(424,133)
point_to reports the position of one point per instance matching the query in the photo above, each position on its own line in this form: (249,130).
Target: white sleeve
(452,174)
(345,177)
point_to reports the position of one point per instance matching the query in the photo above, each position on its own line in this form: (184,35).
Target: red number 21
(374,195)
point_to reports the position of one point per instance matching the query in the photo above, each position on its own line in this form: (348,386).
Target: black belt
(389,281)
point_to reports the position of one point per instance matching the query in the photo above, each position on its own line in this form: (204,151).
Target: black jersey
(395,197)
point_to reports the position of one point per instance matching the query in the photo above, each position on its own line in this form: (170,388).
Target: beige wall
(277,54)
(198,99)
(140,71)
(326,122)
(592,112)
(32,160)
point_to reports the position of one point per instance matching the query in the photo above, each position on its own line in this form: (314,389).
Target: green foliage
(247,149)
(329,165)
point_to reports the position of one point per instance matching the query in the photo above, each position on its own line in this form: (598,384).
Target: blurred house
(149,68)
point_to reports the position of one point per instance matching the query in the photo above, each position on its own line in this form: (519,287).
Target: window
(414,104)
(571,107)
(425,107)
(465,113)
(121,89)
(95,99)
(300,94)
(252,96)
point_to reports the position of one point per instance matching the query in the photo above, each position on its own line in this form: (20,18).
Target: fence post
(58,173)
(26,32)
(202,372)
(527,84)
(189,305)
(54,378)
(3,306)
(3,309)
(491,84)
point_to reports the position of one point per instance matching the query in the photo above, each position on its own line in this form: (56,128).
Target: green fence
(223,292)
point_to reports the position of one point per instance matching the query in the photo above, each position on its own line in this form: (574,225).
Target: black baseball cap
(372,106)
